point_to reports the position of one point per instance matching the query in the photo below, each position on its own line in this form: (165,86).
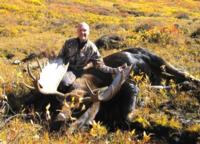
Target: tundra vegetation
(38,28)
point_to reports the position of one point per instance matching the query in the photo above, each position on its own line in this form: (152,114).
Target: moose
(97,96)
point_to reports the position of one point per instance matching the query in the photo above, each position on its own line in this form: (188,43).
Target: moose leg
(128,98)
(169,70)
(133,92)
(130,90)
(179,75)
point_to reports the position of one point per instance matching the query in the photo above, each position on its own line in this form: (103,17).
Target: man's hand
(89,65)
(120,68)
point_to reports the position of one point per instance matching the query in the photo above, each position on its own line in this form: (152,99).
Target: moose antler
(101,94)
(45,87)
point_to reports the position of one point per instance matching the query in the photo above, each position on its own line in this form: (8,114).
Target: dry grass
(34,26)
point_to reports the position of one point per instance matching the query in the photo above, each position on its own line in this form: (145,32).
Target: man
(82,54)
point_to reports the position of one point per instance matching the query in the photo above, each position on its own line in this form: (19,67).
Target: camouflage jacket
(80,54)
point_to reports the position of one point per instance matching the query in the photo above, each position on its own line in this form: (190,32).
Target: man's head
(83,31)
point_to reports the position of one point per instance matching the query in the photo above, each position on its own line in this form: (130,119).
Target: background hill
(169,28)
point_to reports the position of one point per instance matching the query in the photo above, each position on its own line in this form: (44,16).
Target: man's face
(83,32)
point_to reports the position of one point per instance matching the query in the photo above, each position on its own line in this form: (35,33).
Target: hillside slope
(169,28)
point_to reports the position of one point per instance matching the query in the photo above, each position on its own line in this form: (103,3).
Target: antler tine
(43,64)
(85,99)
(89,88)
(28,86)
(57,93)
(40,66)
(30,73)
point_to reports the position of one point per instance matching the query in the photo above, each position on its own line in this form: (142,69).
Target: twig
(10,118)
(9,107)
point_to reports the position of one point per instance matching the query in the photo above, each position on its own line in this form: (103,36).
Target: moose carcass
(49,81)
(114,109)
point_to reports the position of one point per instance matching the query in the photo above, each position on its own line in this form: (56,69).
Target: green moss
(9,7)
(35,2)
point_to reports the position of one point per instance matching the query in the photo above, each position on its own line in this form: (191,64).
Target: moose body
(112,112)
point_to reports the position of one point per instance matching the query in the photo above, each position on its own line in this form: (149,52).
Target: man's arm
(102,67)
(63,50)
(98,63)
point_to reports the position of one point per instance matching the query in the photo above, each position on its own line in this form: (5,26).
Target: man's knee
(68,78)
